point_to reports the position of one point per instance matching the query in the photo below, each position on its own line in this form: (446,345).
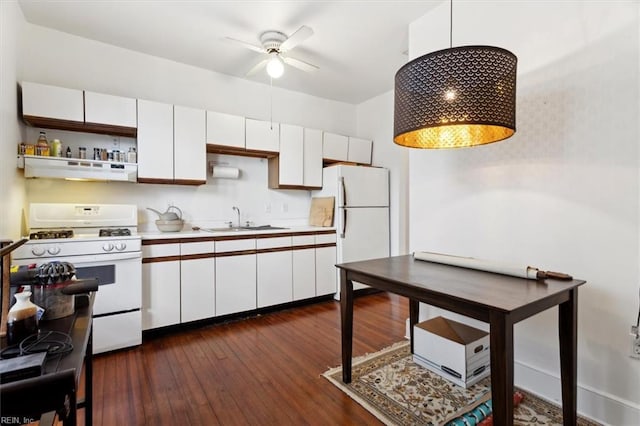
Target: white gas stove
(101,241)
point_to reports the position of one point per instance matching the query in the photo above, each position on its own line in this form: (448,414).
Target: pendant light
(456,97)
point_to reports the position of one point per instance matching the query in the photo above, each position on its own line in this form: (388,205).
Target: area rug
(400,392)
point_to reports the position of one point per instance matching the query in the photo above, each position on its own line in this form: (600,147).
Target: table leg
(501,343)
(346,320)
(414,312)
(568,334)
(88,381)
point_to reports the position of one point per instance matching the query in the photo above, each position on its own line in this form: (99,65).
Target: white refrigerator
(361,215)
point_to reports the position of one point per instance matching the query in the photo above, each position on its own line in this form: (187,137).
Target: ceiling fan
(275,44)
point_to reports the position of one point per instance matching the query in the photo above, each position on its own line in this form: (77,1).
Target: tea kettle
(168,215)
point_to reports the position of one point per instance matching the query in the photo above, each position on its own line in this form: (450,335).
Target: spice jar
(131,155)
(82,152)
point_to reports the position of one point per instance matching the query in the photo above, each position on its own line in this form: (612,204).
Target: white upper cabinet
(225,129)
(262,135)
(291,164)
(312,158)
(189,141)
(299,164)
(109,109)
(60,103)
(155,140)
(335,147)
(359,150)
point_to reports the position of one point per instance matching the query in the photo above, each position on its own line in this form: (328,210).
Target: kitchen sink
(242,228)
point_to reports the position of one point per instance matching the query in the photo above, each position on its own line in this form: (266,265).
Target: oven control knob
(37,251)
(53,250)
(121,246)
(107,247)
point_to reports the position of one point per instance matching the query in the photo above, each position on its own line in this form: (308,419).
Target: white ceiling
(358,45)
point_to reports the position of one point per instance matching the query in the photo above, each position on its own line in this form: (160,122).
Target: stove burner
(51,234)
(115,232)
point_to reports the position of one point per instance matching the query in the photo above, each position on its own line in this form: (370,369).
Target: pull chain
(450,23)
(271,102)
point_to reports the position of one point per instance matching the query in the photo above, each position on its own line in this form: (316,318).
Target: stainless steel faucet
(238,210)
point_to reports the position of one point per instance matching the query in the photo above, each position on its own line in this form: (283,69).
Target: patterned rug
(400,392)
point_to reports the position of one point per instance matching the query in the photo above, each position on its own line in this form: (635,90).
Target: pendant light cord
(450,24)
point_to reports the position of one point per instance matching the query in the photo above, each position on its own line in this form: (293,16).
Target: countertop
(189,233)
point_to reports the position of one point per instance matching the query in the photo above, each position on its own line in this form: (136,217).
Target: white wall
(57,58)
(562,194)
(11,181)
(375,122)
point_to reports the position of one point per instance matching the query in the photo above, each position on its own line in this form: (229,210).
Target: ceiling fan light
(275,67)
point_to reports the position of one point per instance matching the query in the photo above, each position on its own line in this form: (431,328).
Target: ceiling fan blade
(301,65)
(246,45)
(257,67)
(296,38)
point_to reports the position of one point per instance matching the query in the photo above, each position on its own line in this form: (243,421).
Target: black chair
(28,400)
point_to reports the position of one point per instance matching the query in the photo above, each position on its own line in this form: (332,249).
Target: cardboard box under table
(453,350)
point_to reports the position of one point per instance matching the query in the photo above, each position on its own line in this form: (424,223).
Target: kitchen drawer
(160,250)
(235,245)
(197,248)
(303,240)
(265,243)
(325,238)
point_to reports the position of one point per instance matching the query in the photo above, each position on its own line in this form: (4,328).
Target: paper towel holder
(222,170)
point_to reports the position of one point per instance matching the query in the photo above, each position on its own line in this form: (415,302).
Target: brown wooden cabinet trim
(160,259)
(325,245)
(243,152)
(155,180)
(328,231)
(79,126)
(304,247)
(273,249)
(161,241)
(194,182)
(236,253)
(198,256)
(172,181)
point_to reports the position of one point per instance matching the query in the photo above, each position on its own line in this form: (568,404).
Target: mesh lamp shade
(457,97)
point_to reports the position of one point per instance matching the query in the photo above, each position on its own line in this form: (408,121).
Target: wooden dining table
(497,299)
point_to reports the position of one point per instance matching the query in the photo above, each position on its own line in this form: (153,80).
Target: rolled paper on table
(489,266)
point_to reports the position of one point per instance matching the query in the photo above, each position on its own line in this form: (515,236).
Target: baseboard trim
(592,403)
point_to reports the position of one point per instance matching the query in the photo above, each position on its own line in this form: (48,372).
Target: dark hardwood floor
(264,370)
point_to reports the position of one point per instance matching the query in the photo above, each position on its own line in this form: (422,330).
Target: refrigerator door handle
(343,191)
(344,222)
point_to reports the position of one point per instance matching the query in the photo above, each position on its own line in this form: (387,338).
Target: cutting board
(321,212)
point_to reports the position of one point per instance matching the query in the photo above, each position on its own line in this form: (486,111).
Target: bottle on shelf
(68,153)
(42,146)
(56,148)
(132,156)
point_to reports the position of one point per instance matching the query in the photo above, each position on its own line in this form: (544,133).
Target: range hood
(77,169)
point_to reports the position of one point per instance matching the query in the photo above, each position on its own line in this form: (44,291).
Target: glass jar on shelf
(42,146)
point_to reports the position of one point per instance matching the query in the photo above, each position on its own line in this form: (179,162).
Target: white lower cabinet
(326,271)
(274,275)
(160,294)
(304,267)
(197,281)
(274,278)
(235,277)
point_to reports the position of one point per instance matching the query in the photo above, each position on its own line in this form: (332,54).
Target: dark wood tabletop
(499,300)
